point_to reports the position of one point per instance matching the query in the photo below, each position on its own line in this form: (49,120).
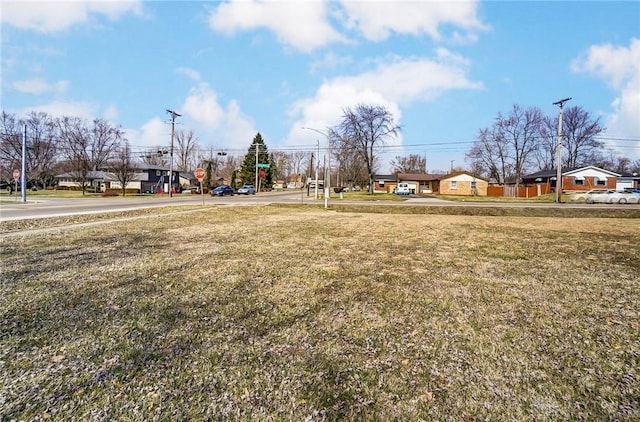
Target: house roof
(628,175)
(594,168)
(566,172)
(420,177)
(90,175)
(458,173)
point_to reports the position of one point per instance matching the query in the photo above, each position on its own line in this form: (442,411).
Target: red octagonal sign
(199,173)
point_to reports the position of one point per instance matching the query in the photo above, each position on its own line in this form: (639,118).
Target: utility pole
(452,165)
(23,171)
(257,187)
(173,123)
(327,166)
(560,104)
(317,165)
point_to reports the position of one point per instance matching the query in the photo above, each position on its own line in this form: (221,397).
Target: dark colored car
(222,191)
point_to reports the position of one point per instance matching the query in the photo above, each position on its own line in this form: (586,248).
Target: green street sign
(263,166)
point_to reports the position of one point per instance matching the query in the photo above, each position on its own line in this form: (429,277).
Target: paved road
(42,207)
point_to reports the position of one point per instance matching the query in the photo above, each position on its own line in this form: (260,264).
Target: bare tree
(350,165)
(623,165)
(365,130)
(297,160)
(10,144)
(123,166)
(579,130)
(282,165)
(521,129)
(413,163)
(42,153)
(155,156)
(186,148)
(87,147)
(545,156)
(506,148)
(489,155)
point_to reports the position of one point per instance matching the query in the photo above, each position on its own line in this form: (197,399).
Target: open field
(296,313)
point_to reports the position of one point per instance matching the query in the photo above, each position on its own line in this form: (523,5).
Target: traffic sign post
(16,177)
(199,173)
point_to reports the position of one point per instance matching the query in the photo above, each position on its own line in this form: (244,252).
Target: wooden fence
(520,191)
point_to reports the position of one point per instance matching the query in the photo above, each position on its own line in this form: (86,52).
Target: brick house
(463,183)
(575,179)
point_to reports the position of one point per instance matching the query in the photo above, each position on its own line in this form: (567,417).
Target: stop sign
(261,173)
(199,173)
(16,174)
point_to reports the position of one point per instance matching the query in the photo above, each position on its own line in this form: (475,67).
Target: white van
(402,189)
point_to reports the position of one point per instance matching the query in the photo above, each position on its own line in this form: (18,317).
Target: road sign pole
(199,173)
(23,173)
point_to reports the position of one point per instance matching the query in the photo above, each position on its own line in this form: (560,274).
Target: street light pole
(327,172)
(173,123)
(23,167)
(316,166)
(560,104)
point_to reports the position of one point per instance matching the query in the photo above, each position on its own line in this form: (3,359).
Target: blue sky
(235,68)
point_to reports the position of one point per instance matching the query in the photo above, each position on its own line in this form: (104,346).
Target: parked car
(191,189)
(582,196)
(222,191)
(605,196)
(632,197)
(247,189)
(402,189)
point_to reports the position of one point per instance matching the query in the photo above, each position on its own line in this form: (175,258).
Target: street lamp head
(173,113)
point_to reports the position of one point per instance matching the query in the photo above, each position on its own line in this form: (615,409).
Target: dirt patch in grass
(272,313)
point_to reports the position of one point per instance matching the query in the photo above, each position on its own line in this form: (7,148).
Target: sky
(235,68)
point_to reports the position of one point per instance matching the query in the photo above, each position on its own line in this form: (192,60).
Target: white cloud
(110,113)
(618,66)
(300,24)
(39,86)
(52,16)
(305,25)
(393,84)
(155,133)
(377,20)
(216,124)
(192,74)
(80,109)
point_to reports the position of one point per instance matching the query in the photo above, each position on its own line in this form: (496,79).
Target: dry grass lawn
(269,313)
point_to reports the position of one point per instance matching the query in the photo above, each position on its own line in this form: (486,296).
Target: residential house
(384,183)
(463,183)
(628,181)
(146,179)
(421,182)
(575,179)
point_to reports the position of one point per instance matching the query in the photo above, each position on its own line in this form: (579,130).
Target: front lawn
(296,313)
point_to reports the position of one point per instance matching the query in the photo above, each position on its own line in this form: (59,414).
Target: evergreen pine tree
(248,169)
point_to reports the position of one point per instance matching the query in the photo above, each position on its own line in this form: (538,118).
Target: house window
(473,185)
(601,182)
(381,183)
(578,181)
(454,185)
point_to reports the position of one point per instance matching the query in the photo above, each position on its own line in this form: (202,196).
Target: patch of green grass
(466,198)
(293,313)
